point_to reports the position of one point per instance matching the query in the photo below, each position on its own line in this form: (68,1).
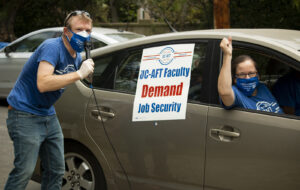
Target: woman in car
(246,91)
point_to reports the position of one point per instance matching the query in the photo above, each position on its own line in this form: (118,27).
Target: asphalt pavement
(7,151)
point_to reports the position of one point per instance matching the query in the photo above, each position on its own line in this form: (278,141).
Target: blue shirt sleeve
(236,99)
(49,52)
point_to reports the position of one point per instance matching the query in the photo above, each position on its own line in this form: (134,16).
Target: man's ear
(65,30)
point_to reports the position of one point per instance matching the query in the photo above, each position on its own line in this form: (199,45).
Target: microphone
(87,49)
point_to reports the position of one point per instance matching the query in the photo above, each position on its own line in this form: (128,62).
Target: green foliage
(18,17)
(51,13)
(182,12)
(127,10)
(265,14)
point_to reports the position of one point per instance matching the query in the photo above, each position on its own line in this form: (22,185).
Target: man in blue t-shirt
(32,123)
(287,92)
(247,92)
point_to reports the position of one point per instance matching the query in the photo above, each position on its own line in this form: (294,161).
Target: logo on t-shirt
(67,69)
(268,107)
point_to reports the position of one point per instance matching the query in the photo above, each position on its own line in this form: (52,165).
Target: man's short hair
(82,14)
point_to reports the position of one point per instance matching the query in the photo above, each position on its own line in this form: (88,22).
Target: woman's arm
(225,79)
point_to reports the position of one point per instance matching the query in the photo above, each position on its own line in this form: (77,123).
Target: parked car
(212,148)
(15,54)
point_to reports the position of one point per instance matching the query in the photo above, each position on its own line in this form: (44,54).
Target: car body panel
(77,131)
(10,65)
(151,152)
(265,156)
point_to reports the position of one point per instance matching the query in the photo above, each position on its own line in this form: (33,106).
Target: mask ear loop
(68,38)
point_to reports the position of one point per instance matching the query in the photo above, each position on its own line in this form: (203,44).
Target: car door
(15,56)
(154,154)
(249,149)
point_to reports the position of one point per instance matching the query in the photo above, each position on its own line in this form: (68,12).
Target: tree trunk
(221,14)
(183,16)
(113,10)
(7,20)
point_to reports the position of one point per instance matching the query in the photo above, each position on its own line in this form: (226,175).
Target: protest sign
(163,83)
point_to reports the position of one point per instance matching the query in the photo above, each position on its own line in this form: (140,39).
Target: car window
(97,44)
(32,42)
(101,64)
(271,69)
(197,71)
(128,71)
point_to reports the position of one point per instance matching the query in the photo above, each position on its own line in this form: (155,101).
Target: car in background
(15,54)
(212,148)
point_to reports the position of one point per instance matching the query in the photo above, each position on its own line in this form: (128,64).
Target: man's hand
(87,68)
(226,45)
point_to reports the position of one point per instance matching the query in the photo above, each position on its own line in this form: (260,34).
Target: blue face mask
(77,40)
(247,86)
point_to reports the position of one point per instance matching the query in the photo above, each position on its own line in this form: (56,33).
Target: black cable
(87,48)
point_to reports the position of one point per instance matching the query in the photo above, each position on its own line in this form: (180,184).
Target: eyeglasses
(75,13)
(244,75)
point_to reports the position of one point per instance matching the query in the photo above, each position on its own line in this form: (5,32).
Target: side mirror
(7,50)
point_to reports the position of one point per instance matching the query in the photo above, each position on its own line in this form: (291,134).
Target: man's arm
(225,79)
(47,81)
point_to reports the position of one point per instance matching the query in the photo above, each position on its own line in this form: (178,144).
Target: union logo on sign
(166,56)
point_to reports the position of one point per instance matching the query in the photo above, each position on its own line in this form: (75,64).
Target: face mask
(78,39)
(247,86)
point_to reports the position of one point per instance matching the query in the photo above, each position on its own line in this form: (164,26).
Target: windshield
(124,36)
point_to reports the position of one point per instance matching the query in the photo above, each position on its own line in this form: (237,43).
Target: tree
(19,17)
(123,10)
(8,13)
(265,14)
(221,14)
(113,11)
(182,12)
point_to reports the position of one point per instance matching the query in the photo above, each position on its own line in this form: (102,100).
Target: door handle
(225,133)
(104,114)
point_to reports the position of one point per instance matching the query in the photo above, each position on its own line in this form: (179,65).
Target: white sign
(163,83)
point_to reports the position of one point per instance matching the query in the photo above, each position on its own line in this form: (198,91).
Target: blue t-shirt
(25,95)
(287,92)
(263,101)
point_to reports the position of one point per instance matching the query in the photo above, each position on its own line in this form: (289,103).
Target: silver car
(212,148)
(15,54)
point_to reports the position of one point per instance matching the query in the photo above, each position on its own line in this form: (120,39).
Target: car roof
(281,40)
(97,32)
